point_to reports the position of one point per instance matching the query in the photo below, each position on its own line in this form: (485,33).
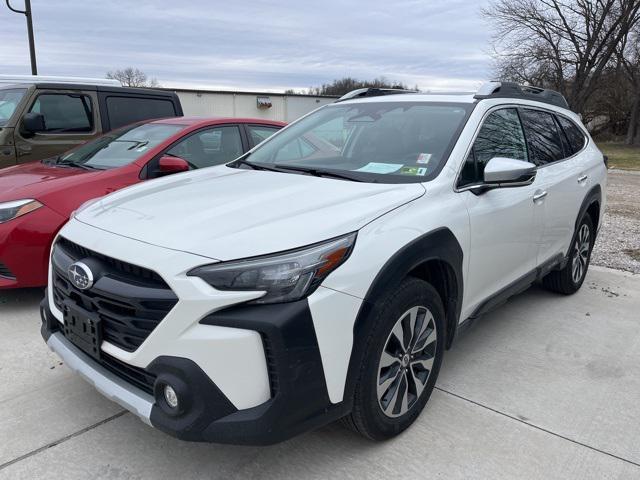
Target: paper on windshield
(373,167)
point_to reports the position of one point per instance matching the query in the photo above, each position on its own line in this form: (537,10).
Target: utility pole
(32,47)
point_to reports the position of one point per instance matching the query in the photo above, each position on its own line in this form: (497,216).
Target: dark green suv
(41,120)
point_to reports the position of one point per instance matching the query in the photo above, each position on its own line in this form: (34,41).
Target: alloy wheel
(580,253)
(406,361)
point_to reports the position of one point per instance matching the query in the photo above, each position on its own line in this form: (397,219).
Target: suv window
(125,110)
(65,113)
(543,138)
(213,146)
(501,135)
(259,133)
(9,100)
(575,137)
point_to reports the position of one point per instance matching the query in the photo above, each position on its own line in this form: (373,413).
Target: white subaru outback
(323,275)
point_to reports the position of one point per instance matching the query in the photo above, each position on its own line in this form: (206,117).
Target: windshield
(387,142)
(9,100)
(120,147)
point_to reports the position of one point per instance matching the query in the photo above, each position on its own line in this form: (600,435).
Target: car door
(558,188)
(70,119)
(504,224)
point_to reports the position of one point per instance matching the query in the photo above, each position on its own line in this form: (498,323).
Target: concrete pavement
(544,387)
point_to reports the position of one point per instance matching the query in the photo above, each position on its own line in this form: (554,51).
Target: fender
(593,196)
(439,244)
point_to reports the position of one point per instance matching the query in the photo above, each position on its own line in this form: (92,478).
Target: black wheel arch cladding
(593,196)
(441,245)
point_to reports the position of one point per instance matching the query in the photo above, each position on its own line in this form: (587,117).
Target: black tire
(367,416)
(565,281)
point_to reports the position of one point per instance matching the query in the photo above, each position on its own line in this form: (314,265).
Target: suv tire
(397,376)
(570,278)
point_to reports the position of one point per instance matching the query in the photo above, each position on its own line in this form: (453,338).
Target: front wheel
(402,360)
(570,278)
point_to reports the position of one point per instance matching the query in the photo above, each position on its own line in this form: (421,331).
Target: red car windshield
(119,147)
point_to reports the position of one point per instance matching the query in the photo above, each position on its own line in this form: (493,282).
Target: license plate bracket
(83,329)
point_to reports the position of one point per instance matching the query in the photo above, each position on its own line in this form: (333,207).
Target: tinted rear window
(125,110)
(575,137)
(543,138)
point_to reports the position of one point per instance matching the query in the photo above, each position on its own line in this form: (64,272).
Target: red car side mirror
(169,164)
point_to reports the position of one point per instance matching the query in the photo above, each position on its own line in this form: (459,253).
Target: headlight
(284,277)
(17,208)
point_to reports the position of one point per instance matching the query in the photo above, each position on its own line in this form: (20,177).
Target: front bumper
(24,248)
(299,400)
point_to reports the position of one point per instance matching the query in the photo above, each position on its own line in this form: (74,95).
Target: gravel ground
(618,243)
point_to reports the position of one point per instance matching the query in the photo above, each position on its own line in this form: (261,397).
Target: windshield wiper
(76,165)
(318,172)
(138,144)
(255,166)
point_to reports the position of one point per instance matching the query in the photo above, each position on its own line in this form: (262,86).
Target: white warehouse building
(272,106)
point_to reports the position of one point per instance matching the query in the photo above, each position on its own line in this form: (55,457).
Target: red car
(36,199)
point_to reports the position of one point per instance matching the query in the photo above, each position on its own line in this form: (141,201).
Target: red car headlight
(17,208)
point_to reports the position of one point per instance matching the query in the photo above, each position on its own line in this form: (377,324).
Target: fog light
(170,396)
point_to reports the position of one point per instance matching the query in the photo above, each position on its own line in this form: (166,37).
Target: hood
(30,180)
(225,213)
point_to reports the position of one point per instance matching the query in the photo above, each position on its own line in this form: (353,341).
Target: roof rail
(20,79)
(373,92)
(497,89)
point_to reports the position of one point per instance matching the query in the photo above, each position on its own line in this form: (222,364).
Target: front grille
(5,272)
(134,375)
(133,272)
(129,300)
(271,366)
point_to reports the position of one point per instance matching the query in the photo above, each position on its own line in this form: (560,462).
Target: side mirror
(169,164)
(34,122)
(508,172)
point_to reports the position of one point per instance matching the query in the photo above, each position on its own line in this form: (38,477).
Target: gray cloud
(255,44)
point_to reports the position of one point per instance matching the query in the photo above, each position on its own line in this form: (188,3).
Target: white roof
(17,79)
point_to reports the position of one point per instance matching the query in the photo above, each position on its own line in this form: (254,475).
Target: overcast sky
(255,44)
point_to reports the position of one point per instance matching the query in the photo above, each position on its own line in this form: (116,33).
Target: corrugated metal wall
(285,108)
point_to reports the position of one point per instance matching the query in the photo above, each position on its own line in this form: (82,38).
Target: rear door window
(123,110)
(501,135)
(65,113)
(575,138)
(259,133)
(543,137)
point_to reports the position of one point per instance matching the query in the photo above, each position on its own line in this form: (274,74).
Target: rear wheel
(402,360)
(570,278)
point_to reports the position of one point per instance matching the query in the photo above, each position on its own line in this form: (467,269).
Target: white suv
(324,274)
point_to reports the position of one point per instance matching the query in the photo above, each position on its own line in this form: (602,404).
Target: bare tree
(132,77)
(563,44)
(628,60)
(347,84)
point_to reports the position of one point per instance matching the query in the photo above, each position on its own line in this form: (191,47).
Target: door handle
(583,178)
(539,195)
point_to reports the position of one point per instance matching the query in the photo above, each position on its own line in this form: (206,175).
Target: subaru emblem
(80,276)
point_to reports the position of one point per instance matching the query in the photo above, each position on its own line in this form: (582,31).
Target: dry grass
(621,156)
